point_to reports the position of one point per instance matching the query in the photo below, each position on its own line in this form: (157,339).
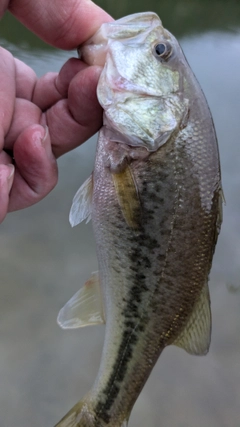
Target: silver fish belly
(155,202)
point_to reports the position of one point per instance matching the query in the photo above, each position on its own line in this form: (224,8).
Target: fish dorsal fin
(128,197)
(196,336)
(82,203)
(84,308)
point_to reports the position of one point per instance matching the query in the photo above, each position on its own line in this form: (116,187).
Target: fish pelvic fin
(196,336)
(83,415)
(128,197)
(82,203)
(85,307)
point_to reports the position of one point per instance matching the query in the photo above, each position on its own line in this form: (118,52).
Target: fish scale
(155,203)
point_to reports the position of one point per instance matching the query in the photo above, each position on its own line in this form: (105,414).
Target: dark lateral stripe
(132,333)
(143,245)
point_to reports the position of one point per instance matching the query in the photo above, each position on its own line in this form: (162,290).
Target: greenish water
(44,370)
(183,16)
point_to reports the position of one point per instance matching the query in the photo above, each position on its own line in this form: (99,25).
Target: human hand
(41,119)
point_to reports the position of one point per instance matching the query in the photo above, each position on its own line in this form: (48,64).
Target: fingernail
(45,135)
(10,176)
(46,143)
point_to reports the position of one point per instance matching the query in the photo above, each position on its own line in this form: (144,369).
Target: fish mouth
(132,28)
(94,51)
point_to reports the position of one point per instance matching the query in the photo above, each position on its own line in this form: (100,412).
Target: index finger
(63,24)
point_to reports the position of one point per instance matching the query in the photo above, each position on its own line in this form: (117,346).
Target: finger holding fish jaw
(43,119)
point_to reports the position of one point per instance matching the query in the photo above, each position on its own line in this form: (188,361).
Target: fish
(155,201)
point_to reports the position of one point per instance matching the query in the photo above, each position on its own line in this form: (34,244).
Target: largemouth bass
(155,201)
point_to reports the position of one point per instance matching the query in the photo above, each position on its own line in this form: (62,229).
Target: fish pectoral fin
(196,336)
(84,308)
(82,203)
(128,197)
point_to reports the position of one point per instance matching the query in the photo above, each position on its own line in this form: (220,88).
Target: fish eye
(163,50)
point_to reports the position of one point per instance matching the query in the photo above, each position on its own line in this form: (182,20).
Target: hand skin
(41,119)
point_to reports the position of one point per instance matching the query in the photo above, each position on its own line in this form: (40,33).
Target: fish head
(142,88)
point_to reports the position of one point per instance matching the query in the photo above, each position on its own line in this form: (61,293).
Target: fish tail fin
(82,415)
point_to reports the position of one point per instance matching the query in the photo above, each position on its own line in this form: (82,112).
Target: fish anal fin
(196,336)
(84,308)
(82,203)
(128,197)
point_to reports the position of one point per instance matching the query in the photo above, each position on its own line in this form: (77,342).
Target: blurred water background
(43,262)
